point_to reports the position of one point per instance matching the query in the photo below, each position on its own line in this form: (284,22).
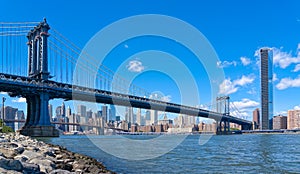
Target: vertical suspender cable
(2,46)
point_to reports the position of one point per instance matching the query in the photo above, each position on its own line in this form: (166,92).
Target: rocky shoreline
(21,154)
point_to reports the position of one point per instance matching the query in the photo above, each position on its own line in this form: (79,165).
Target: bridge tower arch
(38,119)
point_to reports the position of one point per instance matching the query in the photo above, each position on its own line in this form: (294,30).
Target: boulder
(30,168)
(46,165)
(11,164)
(60,171)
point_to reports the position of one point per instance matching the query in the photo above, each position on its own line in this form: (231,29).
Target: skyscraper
(104,113)
(154,117)
(266,79)
(139,117)
(112,113)
(256,119)
(81,109)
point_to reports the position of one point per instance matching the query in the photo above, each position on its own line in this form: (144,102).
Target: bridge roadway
(19,86)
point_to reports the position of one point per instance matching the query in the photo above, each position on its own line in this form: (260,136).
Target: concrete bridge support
(223,127)
(38,120)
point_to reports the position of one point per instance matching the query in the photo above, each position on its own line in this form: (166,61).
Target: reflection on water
(267,153)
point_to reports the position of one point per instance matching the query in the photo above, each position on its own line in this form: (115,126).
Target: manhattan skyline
(236,31)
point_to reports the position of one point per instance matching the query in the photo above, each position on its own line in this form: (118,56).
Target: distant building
(81,109)
(50,108)
(10,114)
(112,113)
(266,62)
(165,121)
(105,114)
(154,116)
(256,118)
(129,115)
(279,122)
(19,116)
(293,119)
(139,117)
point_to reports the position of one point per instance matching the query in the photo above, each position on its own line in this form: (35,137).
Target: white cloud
(252,91)
(166,98)
(288,82)
(284,59)
(243,108)
(245,61)
(245,103)
(297,68)
(281,58)
(225,64)
(135,66)
(244,80)
(281,113)
(3,93)
(228,87)
(19,100)
(201,106)
(297,107)
(157,95)
(275,77)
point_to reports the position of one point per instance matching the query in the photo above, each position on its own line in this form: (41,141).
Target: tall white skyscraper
(154,116)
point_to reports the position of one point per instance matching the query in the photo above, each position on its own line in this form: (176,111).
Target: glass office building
(266,79)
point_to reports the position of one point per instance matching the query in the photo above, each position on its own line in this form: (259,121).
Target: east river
(248,153)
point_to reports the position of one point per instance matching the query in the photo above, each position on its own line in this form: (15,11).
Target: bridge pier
(38,120)
(223,127)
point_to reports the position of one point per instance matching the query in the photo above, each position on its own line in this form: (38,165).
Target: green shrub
(6,129)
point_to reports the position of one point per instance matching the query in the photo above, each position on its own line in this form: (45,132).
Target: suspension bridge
(47,72)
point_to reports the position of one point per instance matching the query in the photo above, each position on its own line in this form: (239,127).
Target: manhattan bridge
(48,73)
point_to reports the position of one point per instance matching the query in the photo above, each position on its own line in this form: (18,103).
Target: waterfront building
(81,110)
(63,110)
(139,117)
(72,119)
(112,113)
(293,119)
(19,116)
(266,77)
(104,113)
(165,121)
(10,114)
(129,115)
(58,113)
(279,122)
(69,112)
(154,116)
(256,118)
(89,114)
(147,116)
(50,108)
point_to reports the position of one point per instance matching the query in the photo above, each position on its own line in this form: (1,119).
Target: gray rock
(10,164)
(60,171)
(21,158)
(9,153)
(8,171)
(31,154)
(19,150)
(30,168)
(46,165)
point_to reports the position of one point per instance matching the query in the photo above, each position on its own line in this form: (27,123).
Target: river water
(252,153)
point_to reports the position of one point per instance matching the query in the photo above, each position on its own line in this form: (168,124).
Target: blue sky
(236,30)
